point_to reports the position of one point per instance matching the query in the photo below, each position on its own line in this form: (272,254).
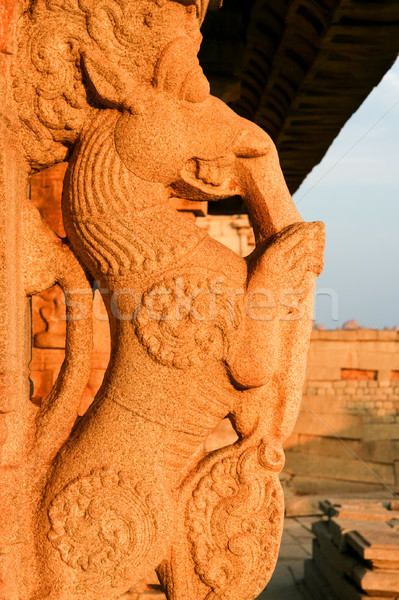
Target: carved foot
(228,539)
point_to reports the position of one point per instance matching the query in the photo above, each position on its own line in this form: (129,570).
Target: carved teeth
(213,173)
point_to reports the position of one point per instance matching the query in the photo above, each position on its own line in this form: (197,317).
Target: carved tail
(229,526)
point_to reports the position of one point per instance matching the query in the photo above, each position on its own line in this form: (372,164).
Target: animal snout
(252,143)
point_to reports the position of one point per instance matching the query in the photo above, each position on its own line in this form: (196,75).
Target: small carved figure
(198,333)
(51,312)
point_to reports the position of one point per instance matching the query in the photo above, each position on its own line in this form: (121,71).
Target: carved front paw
(290,261)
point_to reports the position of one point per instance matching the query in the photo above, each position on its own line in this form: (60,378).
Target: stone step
(380,431)
(359,509)
(326,424)
(306,484)
(338,468)
(344,589)
(371,540)
(331,446)
(316,587)
(347,565)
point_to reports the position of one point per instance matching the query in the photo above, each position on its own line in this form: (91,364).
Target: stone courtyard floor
(296,546)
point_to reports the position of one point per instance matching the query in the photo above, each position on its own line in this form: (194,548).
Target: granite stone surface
(198,333)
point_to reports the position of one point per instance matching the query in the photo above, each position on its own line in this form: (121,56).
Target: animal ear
(111,84)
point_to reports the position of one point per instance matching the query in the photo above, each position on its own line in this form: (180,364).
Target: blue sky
(355,191)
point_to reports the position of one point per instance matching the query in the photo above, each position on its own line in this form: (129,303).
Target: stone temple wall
(347,435)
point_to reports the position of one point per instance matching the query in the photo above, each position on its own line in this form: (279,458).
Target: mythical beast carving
(198,333)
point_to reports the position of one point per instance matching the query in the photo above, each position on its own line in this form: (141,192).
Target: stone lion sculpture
(198,333)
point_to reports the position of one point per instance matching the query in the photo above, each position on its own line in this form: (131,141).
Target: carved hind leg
(103,533)
(230,526)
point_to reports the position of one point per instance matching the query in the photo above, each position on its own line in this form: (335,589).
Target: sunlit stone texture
(91,506)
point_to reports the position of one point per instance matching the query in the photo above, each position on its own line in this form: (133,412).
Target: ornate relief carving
(115,86)
(50,87)
(188,319)
(234,522)
(102,520)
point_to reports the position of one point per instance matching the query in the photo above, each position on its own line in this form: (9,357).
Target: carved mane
(111,215)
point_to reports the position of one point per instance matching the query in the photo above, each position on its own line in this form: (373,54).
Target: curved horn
(113,86)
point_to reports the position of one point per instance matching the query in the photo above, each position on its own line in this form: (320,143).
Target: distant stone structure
(347,435)
(355,552)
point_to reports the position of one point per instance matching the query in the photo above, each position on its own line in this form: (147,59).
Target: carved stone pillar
(93,504)
(28,255)
(15,408)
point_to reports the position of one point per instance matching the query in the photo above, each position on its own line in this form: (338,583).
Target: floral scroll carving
(198,334)
(235,548)
(185,320)
(100,519)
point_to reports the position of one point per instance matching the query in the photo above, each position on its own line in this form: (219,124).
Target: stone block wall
(377,401)
(347,435)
